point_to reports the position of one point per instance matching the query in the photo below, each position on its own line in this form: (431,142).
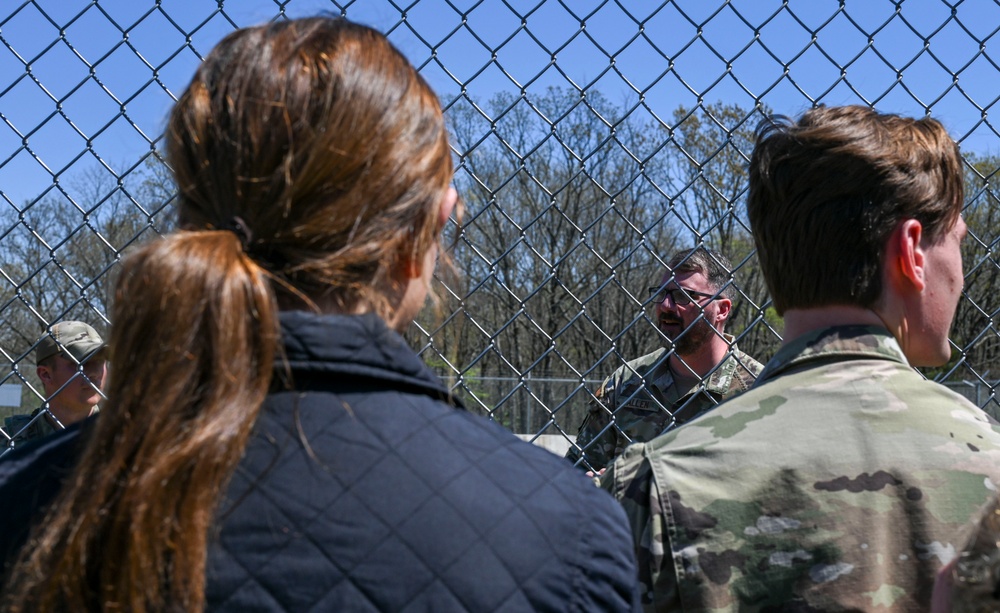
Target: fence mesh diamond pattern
(592,139)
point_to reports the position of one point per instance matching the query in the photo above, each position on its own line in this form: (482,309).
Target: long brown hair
(311,159)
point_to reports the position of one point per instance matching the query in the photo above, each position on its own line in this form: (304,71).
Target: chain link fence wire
(592,138)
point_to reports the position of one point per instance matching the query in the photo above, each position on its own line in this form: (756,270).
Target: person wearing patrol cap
(71,364)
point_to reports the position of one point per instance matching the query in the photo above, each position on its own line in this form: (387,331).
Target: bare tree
(574,203)
(711,146)
(565,221)
(974,334)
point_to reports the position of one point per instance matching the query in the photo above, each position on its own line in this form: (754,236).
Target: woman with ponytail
(269,441)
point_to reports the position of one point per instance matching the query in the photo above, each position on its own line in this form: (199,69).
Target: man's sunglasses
(679,296)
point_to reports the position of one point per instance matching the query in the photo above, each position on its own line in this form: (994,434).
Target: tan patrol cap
(76,338)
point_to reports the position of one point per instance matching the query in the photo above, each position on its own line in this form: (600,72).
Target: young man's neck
(67,416)
(802,321)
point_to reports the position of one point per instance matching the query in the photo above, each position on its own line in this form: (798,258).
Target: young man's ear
(44,374)
(905,262)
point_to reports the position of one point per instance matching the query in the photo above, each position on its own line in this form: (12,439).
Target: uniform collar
(719,382)
(834,343)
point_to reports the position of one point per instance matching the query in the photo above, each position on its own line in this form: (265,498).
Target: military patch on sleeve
(605,393)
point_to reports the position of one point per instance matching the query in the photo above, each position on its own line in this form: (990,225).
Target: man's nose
(666,305)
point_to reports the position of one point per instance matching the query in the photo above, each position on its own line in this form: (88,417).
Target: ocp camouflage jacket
(841,481)
(642,399)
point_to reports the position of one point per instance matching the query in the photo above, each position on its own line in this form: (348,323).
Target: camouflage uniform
(975,577)
(38,425)
(26,428)
(841,481)
(641,400)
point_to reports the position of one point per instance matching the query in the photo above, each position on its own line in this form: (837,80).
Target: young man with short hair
(843,479)
(71,364)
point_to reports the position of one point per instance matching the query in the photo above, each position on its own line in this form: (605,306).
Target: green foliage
(775,321)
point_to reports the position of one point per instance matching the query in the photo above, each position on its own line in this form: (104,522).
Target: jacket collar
(355,347)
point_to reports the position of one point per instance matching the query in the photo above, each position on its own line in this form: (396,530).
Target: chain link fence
(592,138)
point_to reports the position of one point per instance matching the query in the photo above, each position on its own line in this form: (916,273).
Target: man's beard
(691,340)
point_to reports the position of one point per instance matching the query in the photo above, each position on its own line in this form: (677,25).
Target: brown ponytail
(195,334)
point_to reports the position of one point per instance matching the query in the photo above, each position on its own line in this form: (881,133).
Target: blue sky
(93,93)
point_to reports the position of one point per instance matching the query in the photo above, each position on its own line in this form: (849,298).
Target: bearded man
(696,368)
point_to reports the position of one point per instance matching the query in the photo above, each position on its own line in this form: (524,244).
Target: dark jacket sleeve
(608,559)
(31,477)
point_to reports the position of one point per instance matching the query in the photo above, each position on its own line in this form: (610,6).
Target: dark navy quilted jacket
(366,490)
